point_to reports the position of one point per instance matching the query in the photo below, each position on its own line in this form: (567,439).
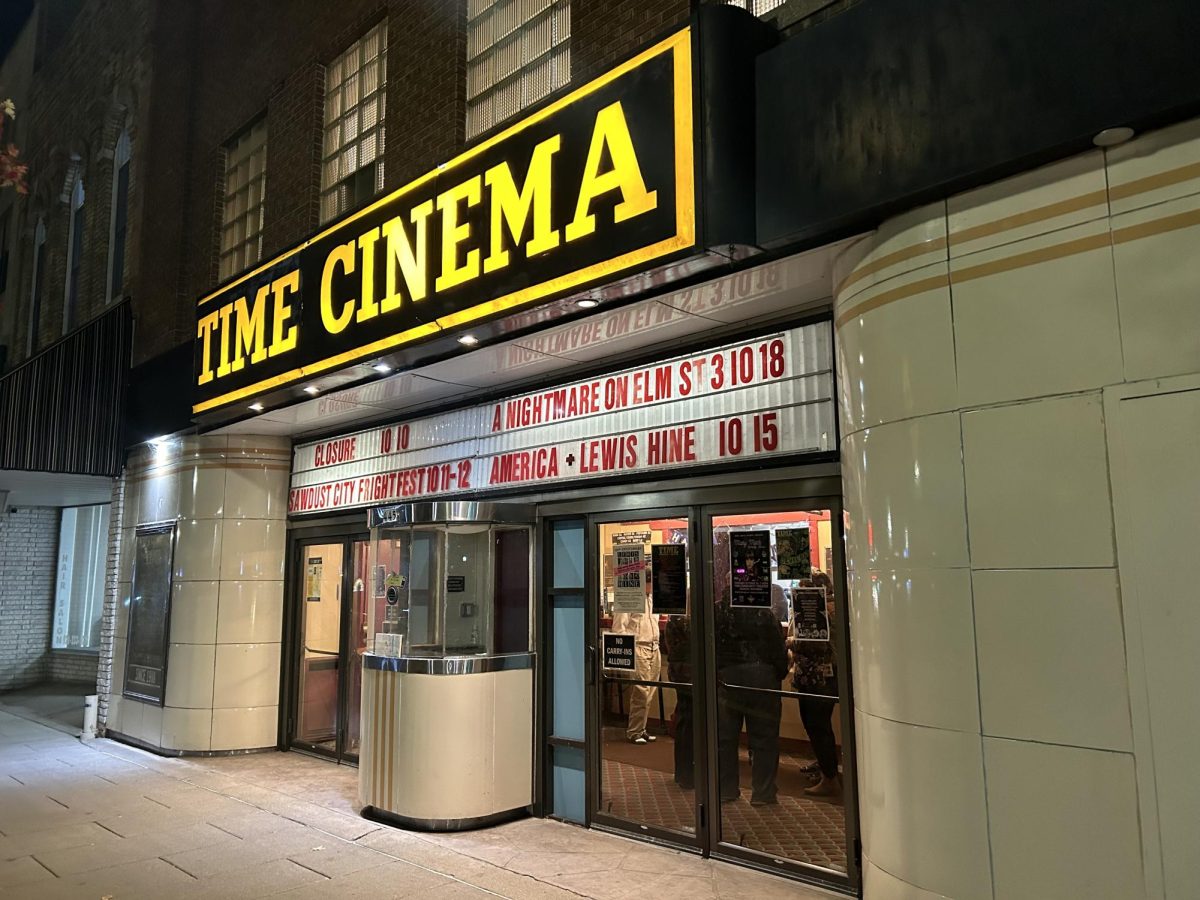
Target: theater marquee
(744,402)
(595,184)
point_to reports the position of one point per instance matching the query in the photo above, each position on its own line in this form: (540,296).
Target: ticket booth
(447,682)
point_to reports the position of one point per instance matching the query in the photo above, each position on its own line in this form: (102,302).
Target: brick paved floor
(102,820)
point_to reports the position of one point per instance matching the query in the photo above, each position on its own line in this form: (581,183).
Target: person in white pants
(647,663)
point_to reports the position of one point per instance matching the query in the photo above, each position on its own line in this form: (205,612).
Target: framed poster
(149,613)
(618,651)
(750,568)
(793,553)
(810,619)
(668,571)
(313,567)
(629,579)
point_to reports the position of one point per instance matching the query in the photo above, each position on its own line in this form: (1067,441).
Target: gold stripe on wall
(390,757)
(1029,217)
(380,742)
(1154,182)
(891,259)
(1033,257)
(1156,226)
(891,296)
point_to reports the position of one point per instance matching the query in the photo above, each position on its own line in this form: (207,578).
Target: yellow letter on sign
(455,232)
(343,255)
(625,175)
(512,207)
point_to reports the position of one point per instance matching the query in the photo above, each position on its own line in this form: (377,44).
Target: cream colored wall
(228,497)
(997,757)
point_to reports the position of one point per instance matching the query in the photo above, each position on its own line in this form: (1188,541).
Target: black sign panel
(668,579)
(149,614)
(597,183)
(750,568)
(810,619)
(618,651)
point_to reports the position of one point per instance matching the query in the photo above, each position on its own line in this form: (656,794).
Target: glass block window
(757,7)
(245,189)
(518,51)
(352,155)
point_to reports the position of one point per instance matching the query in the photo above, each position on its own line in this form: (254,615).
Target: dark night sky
(13,14)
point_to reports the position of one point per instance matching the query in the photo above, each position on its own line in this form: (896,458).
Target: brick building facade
(28,542)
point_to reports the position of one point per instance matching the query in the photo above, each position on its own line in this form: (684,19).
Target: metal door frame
(757,859)
(698,504)
(292,656)
(594,755)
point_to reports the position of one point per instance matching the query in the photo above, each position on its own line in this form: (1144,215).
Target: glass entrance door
(778,663)
(331,635)
(646,698)
(719,715)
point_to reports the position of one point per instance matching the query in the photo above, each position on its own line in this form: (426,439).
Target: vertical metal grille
(245,192)
(355,100)
(62,411)
(518,51)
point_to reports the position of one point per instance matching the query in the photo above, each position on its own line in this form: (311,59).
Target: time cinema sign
(594,184)
(755,399)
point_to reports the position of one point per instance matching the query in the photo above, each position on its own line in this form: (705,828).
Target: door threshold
(324,757)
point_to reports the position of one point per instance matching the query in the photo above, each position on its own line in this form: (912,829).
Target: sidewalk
(103,820)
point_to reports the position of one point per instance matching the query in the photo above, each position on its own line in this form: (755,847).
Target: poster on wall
(810,619)
(618,651)
(629,579)
(795,558)
(668,573)
(750,568)
(149,614)
(312,579)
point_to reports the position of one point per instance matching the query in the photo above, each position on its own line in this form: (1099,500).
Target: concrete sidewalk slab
(102,819)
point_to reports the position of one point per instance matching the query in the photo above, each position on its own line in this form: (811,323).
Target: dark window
(120,213)
(39,278)
(4,220)
(73,274)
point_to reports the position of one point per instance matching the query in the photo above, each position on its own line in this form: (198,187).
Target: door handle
(591,665)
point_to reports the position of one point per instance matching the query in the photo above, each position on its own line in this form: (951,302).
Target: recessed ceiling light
(257,407)
(1111,137)
(383,368)
(312,389)
(587,303)
(468,340)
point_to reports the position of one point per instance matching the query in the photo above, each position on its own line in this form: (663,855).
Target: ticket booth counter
(447,689)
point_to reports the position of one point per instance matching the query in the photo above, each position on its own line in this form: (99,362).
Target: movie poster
(810,619)
(750,568)
(794,554)
(629,579)
(668,571)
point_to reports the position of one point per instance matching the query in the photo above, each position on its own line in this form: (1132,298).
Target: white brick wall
(28,547)
(108,621)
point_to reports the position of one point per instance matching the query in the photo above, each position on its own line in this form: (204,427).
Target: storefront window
(79,593)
